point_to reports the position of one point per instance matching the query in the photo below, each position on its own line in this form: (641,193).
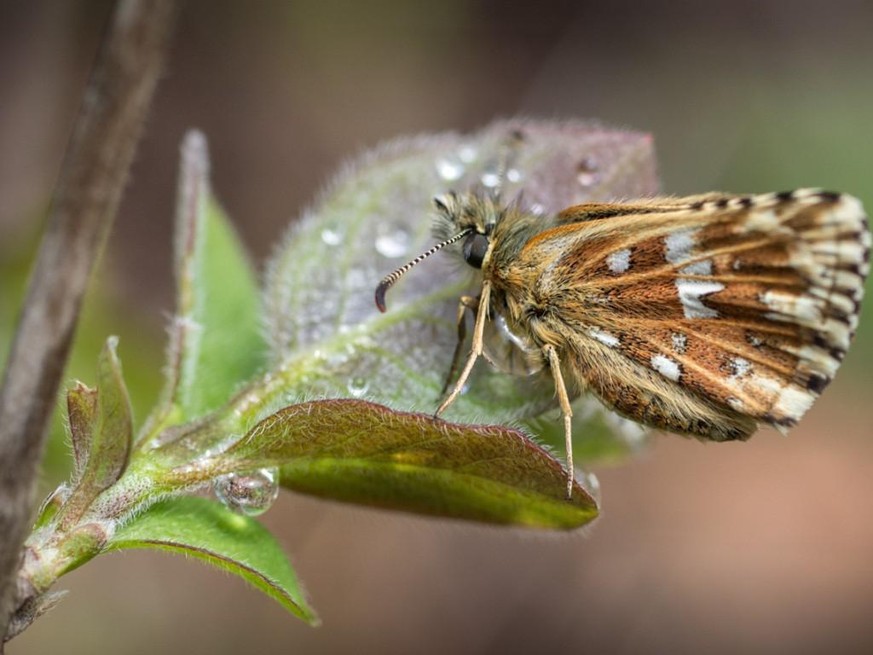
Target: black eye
(475,248)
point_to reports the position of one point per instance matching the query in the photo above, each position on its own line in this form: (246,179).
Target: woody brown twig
(85,201)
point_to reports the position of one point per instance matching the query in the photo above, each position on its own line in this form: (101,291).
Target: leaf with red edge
(360,452)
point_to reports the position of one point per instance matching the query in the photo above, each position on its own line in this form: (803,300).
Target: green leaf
(231,349)
(215,339)
(326,336)
(101,450)
(234,543)
(110,445)
(360,452)
(82,413)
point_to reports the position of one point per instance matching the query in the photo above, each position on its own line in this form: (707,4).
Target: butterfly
(705,315)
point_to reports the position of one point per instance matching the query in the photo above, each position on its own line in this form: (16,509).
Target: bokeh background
(762,547)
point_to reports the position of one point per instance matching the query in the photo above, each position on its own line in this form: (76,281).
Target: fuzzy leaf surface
(360,452)
(101,452)
(326,336)
(82,415)
(216,340)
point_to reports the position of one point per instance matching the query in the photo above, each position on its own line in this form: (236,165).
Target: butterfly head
(472,215)
(469,219)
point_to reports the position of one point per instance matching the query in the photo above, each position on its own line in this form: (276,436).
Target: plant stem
(84,204)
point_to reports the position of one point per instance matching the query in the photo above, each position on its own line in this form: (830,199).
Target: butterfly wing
(702,315)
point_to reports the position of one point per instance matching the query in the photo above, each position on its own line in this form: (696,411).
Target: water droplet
(491,179)
(450,168)
(331,237)
(538,209)
(395,244)
(358,386)
(467,153)
(586,172)
(251,493)
(513,175)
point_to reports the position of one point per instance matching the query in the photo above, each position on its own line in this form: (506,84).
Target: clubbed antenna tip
(383,287)
(389,280)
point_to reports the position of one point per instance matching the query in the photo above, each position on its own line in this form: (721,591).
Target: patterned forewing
(749,303)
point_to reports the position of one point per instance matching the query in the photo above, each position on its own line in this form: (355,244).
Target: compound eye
(475,249)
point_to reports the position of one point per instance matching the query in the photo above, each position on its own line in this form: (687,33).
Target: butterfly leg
(564,401)
(475,348)
(466,303)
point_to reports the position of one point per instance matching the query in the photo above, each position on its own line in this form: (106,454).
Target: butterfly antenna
(389,280)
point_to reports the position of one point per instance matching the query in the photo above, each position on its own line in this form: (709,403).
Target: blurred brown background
(764,547)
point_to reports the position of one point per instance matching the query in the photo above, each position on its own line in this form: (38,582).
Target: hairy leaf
(326,336)
(215,338)
(102,450)
(360,452)
(82,414)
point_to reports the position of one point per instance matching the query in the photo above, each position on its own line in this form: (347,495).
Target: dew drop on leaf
(450,169)
(467,153)
(514,175)
(331,237)
(395,244)
(251,493)
(490,179)
(357,386)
